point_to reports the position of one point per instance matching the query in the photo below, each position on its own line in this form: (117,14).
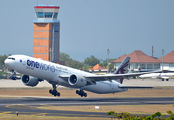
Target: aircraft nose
(9,63)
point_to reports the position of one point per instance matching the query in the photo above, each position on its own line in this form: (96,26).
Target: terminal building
(141,62)
(46,33)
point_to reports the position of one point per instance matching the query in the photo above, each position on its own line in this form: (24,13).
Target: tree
(91,61)
(2,58)
(111,66)
(70,62)
(100,64)
(75,64)
(64,57)
(105,62)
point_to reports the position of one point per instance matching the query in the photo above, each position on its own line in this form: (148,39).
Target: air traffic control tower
(46,33)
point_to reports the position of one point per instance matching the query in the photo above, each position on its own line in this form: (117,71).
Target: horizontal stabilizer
(136,87)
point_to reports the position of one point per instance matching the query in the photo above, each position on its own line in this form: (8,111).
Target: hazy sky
(90,27)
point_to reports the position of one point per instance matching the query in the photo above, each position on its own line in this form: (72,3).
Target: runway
(86,101)
(28,105)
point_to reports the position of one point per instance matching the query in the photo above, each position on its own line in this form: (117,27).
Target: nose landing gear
(81,93)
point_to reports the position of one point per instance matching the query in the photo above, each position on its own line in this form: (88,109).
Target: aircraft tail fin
(121,69)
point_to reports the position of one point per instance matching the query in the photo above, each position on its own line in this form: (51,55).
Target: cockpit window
(11,58)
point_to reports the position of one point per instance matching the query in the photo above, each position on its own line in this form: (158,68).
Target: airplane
(163,76)
(36,70)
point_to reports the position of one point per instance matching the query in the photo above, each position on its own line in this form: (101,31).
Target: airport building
(46,33)
(167,61)
(141,62)
(98,70)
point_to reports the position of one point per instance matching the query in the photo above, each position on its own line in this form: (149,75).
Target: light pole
(162,58)
(108,60)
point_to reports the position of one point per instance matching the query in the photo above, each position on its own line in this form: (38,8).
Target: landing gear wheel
(50,91)
(77,92)
(54,91)
(58,94)
(81,93)
(85,95)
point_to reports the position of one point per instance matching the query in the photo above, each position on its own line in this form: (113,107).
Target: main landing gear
(54,91)
(81,93)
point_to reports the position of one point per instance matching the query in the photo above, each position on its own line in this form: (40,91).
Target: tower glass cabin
(46,33)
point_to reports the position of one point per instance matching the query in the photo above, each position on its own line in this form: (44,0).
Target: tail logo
(121,68)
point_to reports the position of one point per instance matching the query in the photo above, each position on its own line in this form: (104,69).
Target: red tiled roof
(97,67)
(120,59)
(169,58)
(138,57)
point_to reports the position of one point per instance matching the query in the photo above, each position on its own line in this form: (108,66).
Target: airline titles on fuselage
(47,67)
(41,66)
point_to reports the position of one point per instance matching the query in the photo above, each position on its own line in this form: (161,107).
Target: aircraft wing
(165,77)
(95,78)
(135,87)
(114,76)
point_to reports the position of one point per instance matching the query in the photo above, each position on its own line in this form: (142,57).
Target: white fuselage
(158,75)
(51,72)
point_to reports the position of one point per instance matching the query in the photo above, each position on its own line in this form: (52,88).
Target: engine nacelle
(77,80)
(30,81)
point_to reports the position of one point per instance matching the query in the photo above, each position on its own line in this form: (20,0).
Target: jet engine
(30,81)
(77,80)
